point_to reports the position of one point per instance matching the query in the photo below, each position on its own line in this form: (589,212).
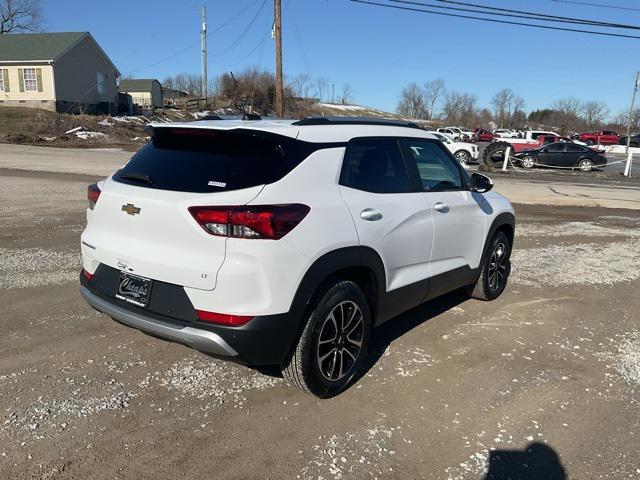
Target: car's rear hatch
(141,223)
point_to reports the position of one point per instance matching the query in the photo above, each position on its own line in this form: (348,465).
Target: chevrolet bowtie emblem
(131,209)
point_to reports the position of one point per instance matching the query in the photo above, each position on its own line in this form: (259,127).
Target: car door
(390,216)
(459,216)
(551,154)
(572,154)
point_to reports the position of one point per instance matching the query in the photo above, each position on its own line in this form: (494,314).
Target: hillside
(41,127)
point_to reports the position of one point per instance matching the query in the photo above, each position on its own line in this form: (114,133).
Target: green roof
(137,84)
(37,46)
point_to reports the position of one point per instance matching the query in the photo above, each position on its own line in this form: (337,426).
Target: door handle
(371,214)
(441,207)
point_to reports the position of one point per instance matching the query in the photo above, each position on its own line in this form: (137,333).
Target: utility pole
(278,36)
(203,33)
(633,103)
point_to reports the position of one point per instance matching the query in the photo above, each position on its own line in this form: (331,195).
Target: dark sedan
(565,155)
(634,142)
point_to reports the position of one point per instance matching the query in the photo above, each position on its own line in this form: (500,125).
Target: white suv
(464,152)
(285,242)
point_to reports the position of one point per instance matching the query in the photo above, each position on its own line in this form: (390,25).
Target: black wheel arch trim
(504,219)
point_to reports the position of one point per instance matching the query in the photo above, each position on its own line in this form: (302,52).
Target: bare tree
(301,85)
(20,16)
(594,113)
(459,108)
(321,85)
(347,94)
(412,102)
(502,102)
(566,115)
(433,90)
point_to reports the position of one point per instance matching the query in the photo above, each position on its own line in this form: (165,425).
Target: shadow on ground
(537,462)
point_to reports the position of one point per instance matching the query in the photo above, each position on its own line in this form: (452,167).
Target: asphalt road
(545,380)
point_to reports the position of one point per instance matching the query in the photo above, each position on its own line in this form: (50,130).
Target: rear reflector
(87,275)
(93,193)
(223,318)
(260,221)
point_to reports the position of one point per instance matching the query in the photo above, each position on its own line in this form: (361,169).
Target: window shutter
(21,79)
(5,77)
(39,78)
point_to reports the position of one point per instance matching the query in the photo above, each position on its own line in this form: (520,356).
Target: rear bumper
(202,340)
(265,340)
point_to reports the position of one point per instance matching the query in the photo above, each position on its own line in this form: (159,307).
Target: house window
(100,77)
(30,80)
(1,80)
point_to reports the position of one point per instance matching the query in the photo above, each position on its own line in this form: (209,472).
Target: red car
(601,137)
(484,135)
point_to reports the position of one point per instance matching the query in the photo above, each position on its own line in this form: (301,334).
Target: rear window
(204,160)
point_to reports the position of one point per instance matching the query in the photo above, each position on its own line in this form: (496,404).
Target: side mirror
(481,183)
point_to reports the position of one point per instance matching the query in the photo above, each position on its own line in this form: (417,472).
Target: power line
(493,20)
(165,59)
(233,44)
(233,17)
(600,5)
(491,10)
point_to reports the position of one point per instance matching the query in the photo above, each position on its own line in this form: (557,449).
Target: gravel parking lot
(542,381)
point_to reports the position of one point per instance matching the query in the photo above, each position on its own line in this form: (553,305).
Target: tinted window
(436,168)
(375,165)
(204,160)
(548,140)
(575,148)
(555,148)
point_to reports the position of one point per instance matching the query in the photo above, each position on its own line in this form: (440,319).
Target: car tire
(327,343)
(528,162)
(585,165)
(462,156)
(493,155)
(494,271)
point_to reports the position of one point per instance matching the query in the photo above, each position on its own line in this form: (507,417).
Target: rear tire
(585,165)
(495,270)
(330,353)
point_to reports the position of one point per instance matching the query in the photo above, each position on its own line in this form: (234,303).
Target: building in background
(63,71)
(145,92)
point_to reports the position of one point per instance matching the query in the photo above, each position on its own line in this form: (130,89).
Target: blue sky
(377,50)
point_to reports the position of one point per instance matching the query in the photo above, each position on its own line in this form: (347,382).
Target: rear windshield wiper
(140,177)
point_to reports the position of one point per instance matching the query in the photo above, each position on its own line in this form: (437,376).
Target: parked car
(285,242)
(505,133)
(469,134)
(562,154)
(634,141)
(601,137)
(462,151)
(484,135)
(453,132)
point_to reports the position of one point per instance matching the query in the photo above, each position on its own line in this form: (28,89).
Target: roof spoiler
(356,121)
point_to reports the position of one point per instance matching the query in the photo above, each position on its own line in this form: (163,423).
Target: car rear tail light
(223,318)
(93,193)
(263,221)
(87,275)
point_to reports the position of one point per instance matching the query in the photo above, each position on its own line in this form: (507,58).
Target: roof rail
(355,121)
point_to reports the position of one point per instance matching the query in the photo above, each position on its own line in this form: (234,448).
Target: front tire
(462,156)
(496,267)
(528,162)
(332,347)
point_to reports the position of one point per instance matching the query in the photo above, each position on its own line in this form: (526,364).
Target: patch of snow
(105,123)
(339,106)
(89,135)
